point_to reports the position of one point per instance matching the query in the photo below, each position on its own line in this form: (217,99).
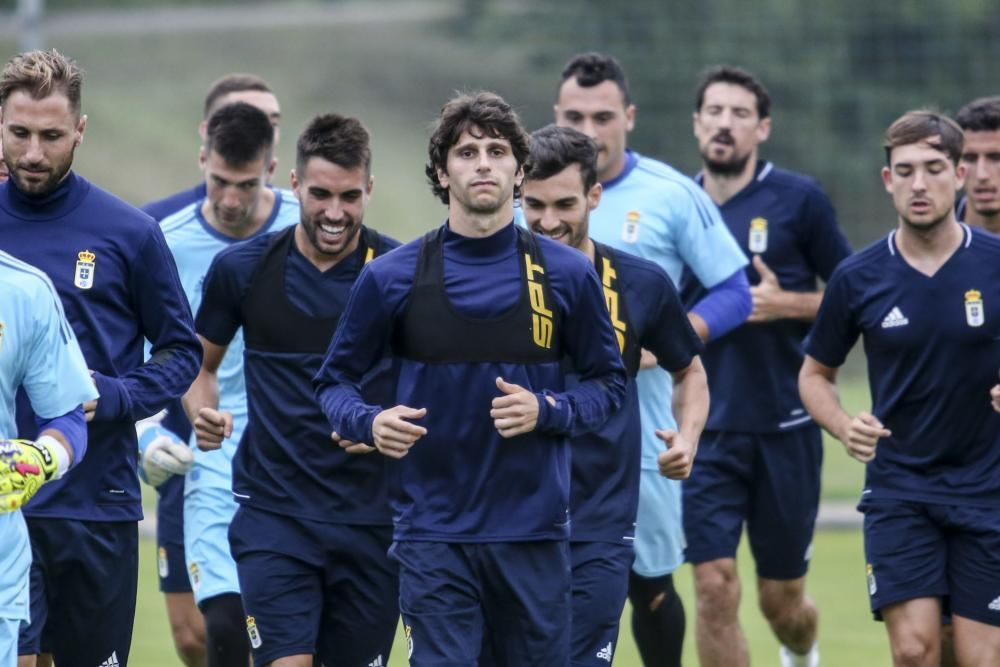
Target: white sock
(790,659)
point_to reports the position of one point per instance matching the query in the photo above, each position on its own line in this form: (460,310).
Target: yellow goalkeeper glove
(24,467)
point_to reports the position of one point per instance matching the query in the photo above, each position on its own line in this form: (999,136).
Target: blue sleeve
(592,346)
(703,241)
(165,320)
(835,330)
(219,315)
(73,426)
(669,335)
(56,380)
(357,346)
(824,242)
(726,306)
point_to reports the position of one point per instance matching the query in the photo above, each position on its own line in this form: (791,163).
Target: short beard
(726,168)
(47,187)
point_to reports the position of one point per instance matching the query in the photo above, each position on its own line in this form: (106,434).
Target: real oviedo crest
(630,230)
(974,308)
(84,276)
(758,236)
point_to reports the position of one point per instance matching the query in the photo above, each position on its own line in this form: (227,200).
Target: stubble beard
(730,168)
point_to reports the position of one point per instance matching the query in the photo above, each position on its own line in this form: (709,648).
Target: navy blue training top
(161,208)
(118,285)
(753,370)
(462,482)
(933,351)
(605,491)
(286,462)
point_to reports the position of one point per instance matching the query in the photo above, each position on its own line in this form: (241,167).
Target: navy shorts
(171,563)
(600,586)
(315,588)
(917,550)
(83,586)
(507,602)
(771,481)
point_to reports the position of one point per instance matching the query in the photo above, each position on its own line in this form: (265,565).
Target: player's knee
(717,586)
(650,594)
(915,650)
(780,601)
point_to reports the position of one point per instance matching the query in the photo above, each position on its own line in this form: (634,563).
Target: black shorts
(83,586)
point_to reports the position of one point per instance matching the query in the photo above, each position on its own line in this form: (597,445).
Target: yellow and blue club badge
(974,314)
(630,230)
(84,276)
(163,565)
(758,235)
(195,576)
(253,633)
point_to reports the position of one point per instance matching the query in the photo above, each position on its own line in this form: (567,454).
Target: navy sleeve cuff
(553,419)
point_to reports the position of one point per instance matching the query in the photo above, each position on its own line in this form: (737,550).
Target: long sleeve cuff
(114,403)
(553,419)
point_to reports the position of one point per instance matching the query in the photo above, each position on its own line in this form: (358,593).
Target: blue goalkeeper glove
(161,452)
(24,467)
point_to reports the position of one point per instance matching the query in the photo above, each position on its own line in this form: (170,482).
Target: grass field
(848,636)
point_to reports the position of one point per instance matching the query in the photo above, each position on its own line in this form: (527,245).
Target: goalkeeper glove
(25,466)
(162,453)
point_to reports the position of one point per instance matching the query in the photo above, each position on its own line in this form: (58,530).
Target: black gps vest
(431,330)
(271,323)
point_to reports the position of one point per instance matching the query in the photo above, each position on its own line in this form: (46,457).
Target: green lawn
(848,636)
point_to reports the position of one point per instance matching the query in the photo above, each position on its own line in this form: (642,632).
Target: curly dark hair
(485,111)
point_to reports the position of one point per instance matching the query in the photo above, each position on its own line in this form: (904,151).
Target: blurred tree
(838,73)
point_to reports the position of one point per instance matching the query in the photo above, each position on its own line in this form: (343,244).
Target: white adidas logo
(995,605)
(112,661)
(377,662)
(605,653)
(895,318)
